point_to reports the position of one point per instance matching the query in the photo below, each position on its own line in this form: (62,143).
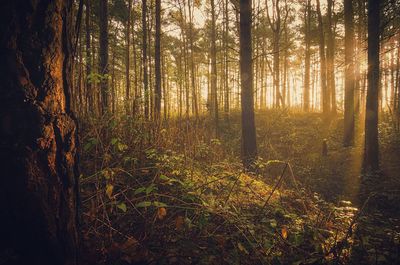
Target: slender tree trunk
(214,99)
(324,89)
(103,17)
(249,147)
(39,176)
(157,90)
(330,56)
(348,136)
(144,61)
(306,95)
(89,90)
(137,90)
(226,58)
(371,149)
(127,58)
(192,68)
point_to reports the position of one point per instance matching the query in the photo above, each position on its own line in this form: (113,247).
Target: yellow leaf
(284,232)
(109,190)
(161,213)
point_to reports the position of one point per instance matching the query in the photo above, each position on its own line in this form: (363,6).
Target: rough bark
(249,147)
(38,189)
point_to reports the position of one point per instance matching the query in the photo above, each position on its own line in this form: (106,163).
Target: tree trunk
(371,149)
(226,59)
(214,100)
(127,57)
(89,90)
(348,136)
(324,89)
(192,62)
(39,182)
(330,57)
(157,90)
(144,60)
(103,24)
(246,77)
(306,96)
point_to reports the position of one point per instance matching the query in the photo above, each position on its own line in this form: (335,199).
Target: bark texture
(38,189)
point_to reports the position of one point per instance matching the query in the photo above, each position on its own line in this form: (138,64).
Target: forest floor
(177,195)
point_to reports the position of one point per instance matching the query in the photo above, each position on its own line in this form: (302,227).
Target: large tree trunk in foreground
(249,147)
(371,149)
(38,189)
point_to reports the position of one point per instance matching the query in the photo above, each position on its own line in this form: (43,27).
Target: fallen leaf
(161,213)
(284,232)
(122,207)
(109,190)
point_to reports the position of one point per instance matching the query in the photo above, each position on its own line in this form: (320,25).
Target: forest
(199,132)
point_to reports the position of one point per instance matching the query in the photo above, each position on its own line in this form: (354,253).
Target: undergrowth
(173,194)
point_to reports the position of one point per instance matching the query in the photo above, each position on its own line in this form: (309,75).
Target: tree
(127,63)
(276,27)
(307,30)
(246,77)
(89,91)
(103,23)
(371,148)
(157,57)
(144,60)
(214,99)
(348,136)
(330,57)
(324,89)
(39,179)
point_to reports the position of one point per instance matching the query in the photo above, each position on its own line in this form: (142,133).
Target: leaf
(114,141)
(121,147)
(284,232)
(122,207)
(159,204)
(109,190)
(150,189)
(163,177)
(139,190)
(161,213)
(273,223)
(143,204)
